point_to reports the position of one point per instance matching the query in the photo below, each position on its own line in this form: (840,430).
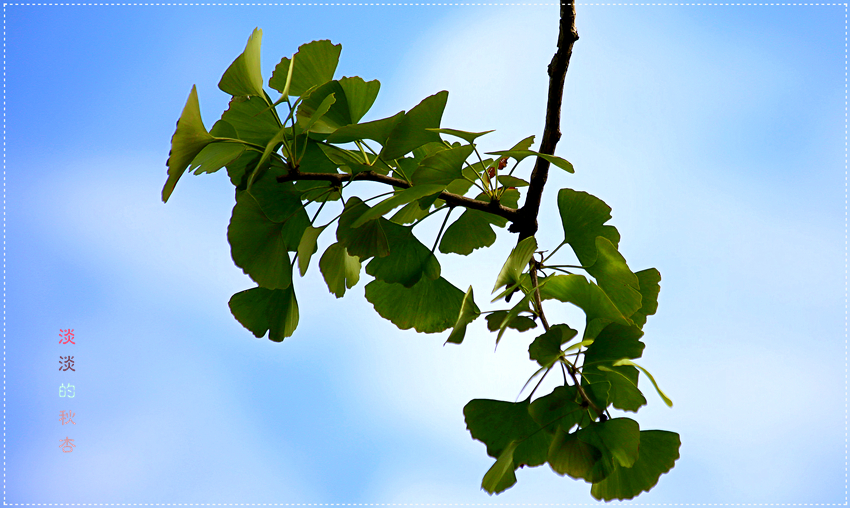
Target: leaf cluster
(295,157)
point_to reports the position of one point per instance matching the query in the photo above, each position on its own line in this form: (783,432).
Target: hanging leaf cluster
(299,155)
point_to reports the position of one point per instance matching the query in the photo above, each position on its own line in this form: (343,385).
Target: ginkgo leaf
(315,64)
(583,217)
(516,263)
(244,76)
(519,155)
(410,132)
(307,247)
(468,312)
(615,277)
(262,310)
(215,156)
(429,306)
(658,453)
(469,137)
(187,142)
(340,270)
(500,477)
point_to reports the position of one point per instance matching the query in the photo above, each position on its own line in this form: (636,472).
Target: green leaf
(623,392)
(376,130)
(626,361)
(308,121)
(281,204)
(222,129)
(497,423)
(586,295)
(252,119)
(430,306)
(511,181)
(239,169)
(658,453)
(409,213)
(307,247)
(519,323)
(519,155)
(469,312)
(615,277)
(257,244)
(411,133)
(469,137)
(408,258)
(443,167)
(516,263)
(215,156)
(611,344)
(260,310)
(188,140)
(569,455)
(500,477)
(368,240)
(244,76)
(511,316)
(473,230)
(525,144)
(617,438)
(546,348)
(360,95)
(337,114)
(592,453)
(396,200)
(583,217)
(558,409)
(339,269)
(353,161)
(649,288)
(271,147)
(315,64)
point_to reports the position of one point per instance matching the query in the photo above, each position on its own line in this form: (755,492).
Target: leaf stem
(440,233)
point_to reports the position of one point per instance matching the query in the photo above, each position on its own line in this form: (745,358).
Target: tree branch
(527,224)
(494,207)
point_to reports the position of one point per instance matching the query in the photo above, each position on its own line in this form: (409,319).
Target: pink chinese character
(67,336)
(66,415)
(66,443)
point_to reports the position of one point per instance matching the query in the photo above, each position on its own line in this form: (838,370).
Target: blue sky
(716,134)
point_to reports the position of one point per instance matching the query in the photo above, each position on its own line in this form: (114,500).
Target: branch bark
(527,224)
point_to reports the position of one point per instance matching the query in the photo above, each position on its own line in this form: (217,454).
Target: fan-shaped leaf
(469,137)
(516,263)
(468,313)
(649,288)
(586,295)
(546,348)
(430,306)
(519,155)
(307,247)
(339,269)
(658,453)
(260,310)
(500,477)
(410,132)
(615,277)
(187,142)
(244,76)
(583,217)
(315,64)
(215,156)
